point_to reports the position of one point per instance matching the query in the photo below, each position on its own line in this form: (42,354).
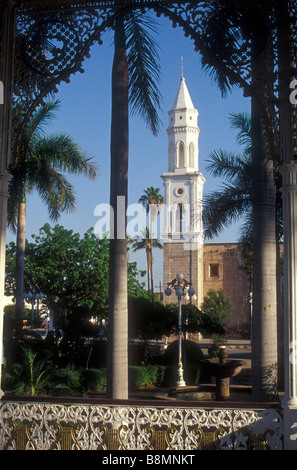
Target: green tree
(135,75)
(71,270)
(136,288)
(152,320)
(147,243)
(152,200)
(39,165)
(218,306)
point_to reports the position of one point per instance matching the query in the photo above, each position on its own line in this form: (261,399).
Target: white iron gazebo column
(289,190)
(7,42)
(289,403)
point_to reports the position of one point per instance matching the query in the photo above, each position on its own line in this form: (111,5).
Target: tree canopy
(71,270)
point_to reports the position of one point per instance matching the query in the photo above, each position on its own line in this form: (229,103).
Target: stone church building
(205,265)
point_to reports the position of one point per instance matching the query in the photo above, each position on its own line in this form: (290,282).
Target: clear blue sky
(85,113)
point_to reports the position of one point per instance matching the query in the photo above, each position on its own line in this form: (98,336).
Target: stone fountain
(222,369)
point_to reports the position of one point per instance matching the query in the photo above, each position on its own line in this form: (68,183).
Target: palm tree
(39,165)
(236,36)
(234,200)
(147,243)
(152,200)
(134,81)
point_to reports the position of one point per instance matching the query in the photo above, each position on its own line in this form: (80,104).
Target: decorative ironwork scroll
(46,425)
(55,37)
(49,49)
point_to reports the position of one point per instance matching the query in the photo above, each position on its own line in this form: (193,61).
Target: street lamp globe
(179,291)
(168,291)
(39,296)
(179,276)
(191,291)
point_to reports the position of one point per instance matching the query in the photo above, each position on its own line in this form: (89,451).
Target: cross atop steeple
(182,67)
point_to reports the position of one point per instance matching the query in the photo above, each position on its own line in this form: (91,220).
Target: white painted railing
(97,424)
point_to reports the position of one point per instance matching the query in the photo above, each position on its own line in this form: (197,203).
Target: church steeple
(183,132)
(183,187)
(183,183)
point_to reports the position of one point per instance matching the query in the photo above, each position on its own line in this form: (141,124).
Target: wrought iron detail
(20,436)
(208,440)
(160,439)
(55,37)
(51,47)
(65,438)
(46,425)
(111,438)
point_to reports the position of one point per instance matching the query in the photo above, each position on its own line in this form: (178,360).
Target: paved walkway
(231,343)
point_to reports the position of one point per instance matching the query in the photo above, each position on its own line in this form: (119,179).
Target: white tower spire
(183,132)
(183,183)
(183,188)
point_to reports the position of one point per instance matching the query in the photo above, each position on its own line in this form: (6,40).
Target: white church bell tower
(183,188)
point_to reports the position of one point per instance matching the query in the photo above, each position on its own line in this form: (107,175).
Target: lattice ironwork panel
(54,38)
(45,426)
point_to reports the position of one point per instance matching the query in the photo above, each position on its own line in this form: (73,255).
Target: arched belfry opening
(181,155)
(191,155)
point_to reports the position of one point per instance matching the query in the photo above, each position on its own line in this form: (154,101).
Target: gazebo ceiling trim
(48,5)
(54,38)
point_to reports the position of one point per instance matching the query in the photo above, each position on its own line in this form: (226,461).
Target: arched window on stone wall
(181,155)
(191,155)
(171,158)
(181,218)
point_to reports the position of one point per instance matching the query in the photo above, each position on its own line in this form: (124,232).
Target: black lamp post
(182,288)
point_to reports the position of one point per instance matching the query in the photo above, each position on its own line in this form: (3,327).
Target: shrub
(94,380)
(145,376)
(191,353)
(214,349)
(66,381)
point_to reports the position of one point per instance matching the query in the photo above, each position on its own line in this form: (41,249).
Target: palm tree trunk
(151,253)
(148,263)
(20,263)
(152,275)
(117,355)
(264,318)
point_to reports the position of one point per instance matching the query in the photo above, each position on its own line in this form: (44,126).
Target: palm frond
(241,122)
(246,229)
(65,155)
(222,163)
(40,166)
(221,42)
(151,196)
(144,68)
(57,193)
(40,119)
(222,208)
